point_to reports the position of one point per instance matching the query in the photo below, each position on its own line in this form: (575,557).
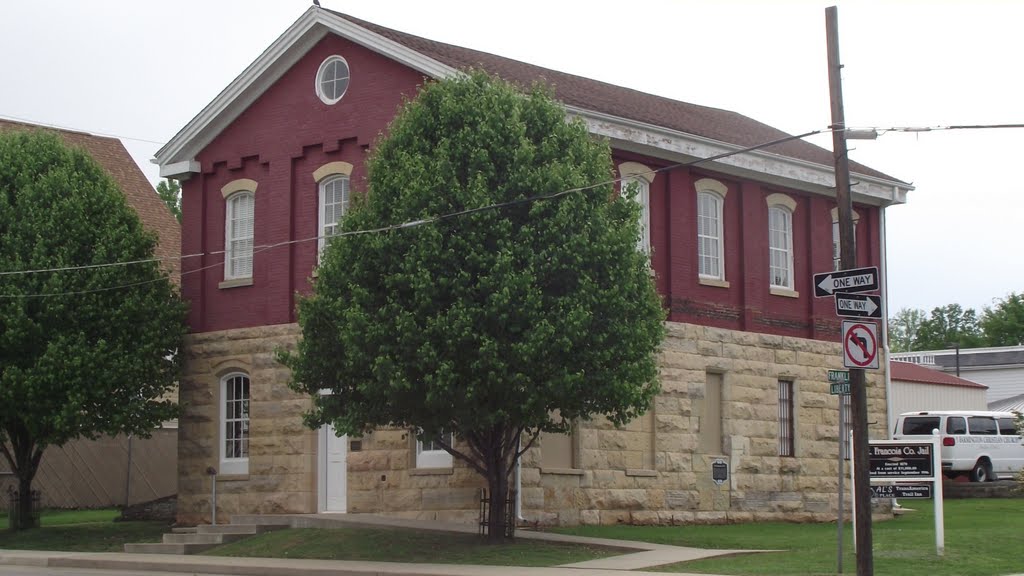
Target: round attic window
(332,79)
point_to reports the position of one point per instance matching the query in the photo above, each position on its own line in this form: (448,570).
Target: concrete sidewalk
(637,555)
(281,567)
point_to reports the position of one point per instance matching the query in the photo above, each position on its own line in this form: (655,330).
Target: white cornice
(177,157)
(259,76)
(674,145)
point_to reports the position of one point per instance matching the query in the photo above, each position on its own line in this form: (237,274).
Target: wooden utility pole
(848,260)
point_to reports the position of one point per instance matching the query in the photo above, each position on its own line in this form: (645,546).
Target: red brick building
(267,167)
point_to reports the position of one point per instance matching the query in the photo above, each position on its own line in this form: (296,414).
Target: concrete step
(184,530)
(165,548)
(250,529)
(201,538)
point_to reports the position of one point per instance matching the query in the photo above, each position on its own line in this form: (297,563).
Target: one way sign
(859,305)
(846,281)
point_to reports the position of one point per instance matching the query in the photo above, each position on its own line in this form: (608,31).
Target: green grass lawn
(81,531)
(983,537)
(394,545)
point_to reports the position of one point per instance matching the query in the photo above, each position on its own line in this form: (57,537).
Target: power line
(403,225)
(70,129)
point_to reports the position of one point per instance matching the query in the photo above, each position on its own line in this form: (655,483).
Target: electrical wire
(403,225)
(69,129)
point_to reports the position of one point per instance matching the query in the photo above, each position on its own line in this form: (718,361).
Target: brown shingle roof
(112,156)
(909,372)
(714,123)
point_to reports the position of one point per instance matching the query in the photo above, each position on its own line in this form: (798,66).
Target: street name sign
(839,382)
(860,344)
(859,305)
(846,281)
(901,490)
(901,460)
(839,389)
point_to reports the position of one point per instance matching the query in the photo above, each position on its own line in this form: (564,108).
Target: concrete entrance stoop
(201,538)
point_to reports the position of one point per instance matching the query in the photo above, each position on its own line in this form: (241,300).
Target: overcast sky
(141,69)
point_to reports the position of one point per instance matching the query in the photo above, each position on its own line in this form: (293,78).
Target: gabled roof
(632,115)
(114,158)
(909,372)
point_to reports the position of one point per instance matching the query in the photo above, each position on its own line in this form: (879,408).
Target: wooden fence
(94,473)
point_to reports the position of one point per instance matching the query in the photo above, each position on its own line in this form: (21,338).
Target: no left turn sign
(860,344)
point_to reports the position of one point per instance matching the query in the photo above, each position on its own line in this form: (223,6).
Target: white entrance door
(333,466)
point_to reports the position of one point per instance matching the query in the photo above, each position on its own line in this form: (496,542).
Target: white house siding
(916,396)
(1002,382)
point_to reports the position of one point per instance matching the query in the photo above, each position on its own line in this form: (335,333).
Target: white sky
(143,68)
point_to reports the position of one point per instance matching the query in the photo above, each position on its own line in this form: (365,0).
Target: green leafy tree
(170,192)
(493,324)
(1003,324)
(76,359)
(903,329)
(946,326)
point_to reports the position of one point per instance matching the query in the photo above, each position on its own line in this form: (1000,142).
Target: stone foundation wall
(282,473)
(653,472)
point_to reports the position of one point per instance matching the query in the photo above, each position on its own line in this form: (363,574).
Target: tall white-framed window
(837,247)
(431,454)
(780,241)
(334,199)
(710,229)
(238,232)
(639,176)
(234,424)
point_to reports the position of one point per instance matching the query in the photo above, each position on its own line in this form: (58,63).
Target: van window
(920,425)
(956,425)
(1007,427)
(983,425)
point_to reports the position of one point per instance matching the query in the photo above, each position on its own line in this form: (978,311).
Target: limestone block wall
(611,486)
(282,473)
(719,402)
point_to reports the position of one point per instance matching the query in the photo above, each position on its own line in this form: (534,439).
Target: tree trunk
(497,483)
(25,511)
(24,458)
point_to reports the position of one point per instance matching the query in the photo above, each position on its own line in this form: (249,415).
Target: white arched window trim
(711,232)
(780,245)
(634,173)
(235,401)
(239,231)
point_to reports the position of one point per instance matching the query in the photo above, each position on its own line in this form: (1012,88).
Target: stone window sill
(562,471)
(235,283)
(713,282)
(431,471)
(232,478)
(785,292)
(641,472)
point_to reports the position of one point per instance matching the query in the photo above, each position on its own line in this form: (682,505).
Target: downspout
(885,317)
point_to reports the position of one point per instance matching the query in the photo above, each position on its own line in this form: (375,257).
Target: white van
(985,445)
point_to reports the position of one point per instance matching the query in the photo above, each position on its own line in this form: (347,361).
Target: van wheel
(982,472)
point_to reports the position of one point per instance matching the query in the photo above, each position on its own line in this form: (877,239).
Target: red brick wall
(279,141)
(288,133)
